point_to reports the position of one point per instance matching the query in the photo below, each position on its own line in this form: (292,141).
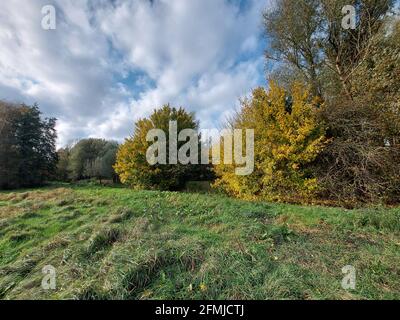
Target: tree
(102,166)
(288,139)
(63,173)
(92,158)
(347,49)
(9,156)
(291,27)
(362,162)
(357,75)
(29,154)
(108,159)
(308,36)
(132,165)
(83,152)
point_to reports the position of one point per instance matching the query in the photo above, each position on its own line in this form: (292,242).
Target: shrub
(362,162)
(288,138)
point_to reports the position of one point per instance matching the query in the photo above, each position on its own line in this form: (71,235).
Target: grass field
(115,243)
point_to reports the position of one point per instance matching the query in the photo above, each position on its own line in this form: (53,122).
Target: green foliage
(376,81)
(288,138)
(92,158)
(63,173)
(27,146)
(132,165)
(8,152)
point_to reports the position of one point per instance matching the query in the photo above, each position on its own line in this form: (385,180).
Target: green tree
(108,161)
(9,156)
(102,166)
(83,152)
(29,154)
(92,158)
(63,172)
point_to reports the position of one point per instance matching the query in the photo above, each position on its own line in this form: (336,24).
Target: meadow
(117,243)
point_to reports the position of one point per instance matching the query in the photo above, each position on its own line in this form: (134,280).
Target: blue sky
(110,62)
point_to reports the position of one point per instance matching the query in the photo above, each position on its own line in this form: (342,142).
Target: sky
(110,62)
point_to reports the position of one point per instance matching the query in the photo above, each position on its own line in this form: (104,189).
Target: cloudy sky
(110,62)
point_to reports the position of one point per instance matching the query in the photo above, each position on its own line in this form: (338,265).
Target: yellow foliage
(132,165)
(288,138)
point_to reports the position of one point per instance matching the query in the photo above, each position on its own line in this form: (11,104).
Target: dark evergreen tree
(28,146)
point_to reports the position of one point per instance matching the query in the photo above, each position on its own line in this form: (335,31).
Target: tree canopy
(27,146)
(132,165)
(90,158)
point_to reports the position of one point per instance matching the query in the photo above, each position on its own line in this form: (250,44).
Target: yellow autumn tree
(288,138)
(132,165)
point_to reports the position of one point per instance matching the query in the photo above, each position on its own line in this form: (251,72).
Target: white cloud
(201,54)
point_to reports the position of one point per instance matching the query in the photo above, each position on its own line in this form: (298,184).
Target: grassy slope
(116,243)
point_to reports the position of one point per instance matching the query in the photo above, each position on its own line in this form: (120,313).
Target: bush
(362,162)
(288,138)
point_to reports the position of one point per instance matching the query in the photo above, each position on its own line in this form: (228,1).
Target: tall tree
(362,162)
(9,156)
(291,28)
(102,166)
(29,153)
(63,172)
(308,35)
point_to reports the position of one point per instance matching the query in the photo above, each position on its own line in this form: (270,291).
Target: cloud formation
(110,62)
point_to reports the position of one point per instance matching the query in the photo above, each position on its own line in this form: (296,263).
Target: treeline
(328,128)
(88,159)
(28,155)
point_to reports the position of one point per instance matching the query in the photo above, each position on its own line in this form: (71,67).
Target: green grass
(115,243)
